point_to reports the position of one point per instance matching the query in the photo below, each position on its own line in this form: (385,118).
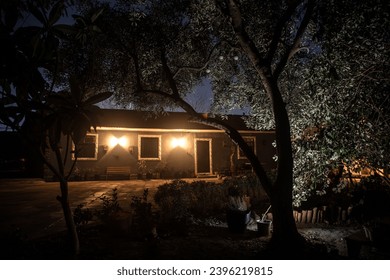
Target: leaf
(37,14)
(98,98)
(80,129)
(64,28)
(96,15)
(56,12)
(80,20)
(96,29)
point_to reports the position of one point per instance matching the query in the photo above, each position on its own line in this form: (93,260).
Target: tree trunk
(68,215)
(285,233)
(285,239)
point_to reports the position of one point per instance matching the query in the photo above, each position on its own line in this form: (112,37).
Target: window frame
(140,147)
(240,155)
(96,148)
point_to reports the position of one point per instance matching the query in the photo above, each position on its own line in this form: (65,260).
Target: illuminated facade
(165,147)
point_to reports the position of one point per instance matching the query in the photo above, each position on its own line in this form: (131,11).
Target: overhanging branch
(246,42)
(233,134)
(297,40)
(279,29)
(197,68)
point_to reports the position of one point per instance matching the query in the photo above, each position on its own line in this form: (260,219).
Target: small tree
(29,104)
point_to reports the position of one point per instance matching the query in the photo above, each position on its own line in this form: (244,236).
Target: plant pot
(237,220)
(263,227)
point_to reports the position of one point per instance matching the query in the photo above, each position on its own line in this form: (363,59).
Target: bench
(118,170)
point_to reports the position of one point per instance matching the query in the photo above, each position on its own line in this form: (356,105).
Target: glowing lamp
(179,142)
(113,141)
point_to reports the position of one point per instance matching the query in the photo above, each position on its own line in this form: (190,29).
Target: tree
(249,50)
(165,47)
(337,100)
(30,105)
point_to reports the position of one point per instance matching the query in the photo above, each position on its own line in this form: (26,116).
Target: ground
(208,239)
(32,228)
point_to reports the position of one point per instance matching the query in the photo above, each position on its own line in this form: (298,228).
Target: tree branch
(236,137)
(175,99)
(297,40)
(170,76)
(199,68)
(246,43)
(233,134)
(279,29)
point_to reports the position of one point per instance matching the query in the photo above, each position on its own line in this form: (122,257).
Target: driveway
(31,206)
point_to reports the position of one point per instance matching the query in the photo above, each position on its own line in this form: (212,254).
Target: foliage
(82,215)
(202,199)
(248,185)
(143,220)
(338,100)
(173,206)
(110,205)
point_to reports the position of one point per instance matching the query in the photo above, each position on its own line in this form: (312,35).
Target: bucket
(263,227)
(237,220)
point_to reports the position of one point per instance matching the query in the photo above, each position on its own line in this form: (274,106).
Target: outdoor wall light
(179,142)
(113,141)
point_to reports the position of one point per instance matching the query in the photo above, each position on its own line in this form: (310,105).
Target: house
(167,146)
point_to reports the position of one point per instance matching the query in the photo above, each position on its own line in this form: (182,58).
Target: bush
(202,199)
(142,217)
(110,205)
(82,216)
(247,186)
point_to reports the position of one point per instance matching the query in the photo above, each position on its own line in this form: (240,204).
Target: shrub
(142,216)
(203,199)
(110,205)
(82,216)
(173,204)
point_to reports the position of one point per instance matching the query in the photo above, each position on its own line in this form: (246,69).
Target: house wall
(173,162)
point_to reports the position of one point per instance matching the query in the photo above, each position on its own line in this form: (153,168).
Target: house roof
(113,118)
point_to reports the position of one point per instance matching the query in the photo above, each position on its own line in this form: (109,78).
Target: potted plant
(238,212)
(264,225)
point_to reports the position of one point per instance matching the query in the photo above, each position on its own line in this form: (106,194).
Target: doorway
(203,159)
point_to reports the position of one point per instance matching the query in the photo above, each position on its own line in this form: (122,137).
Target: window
(88,149)
(149,147)
(251,141)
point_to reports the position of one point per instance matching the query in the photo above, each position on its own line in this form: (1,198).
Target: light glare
(113,142)
(178,142)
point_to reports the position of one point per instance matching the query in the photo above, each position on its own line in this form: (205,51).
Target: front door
(203,160)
